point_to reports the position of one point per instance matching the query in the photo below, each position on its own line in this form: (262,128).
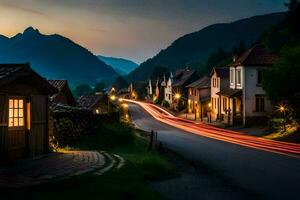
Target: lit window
(16,113)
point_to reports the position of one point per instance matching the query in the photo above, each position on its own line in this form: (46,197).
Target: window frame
(259,74)
(260,103)
(18,127)
(238,77)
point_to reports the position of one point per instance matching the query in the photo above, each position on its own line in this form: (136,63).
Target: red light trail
(209,131)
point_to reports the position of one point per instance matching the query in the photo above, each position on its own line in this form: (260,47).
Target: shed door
(38,130)
(16,137)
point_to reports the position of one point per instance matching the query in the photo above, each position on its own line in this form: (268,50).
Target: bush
(157,101)
(165,104)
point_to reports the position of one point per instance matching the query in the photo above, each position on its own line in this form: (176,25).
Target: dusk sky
(134,29)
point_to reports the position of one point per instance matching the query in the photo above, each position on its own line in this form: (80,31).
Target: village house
(244,100)
(168,92)
(97,103)
(24,112)
(153,90)
(219,82)
(64,95)
(199,97)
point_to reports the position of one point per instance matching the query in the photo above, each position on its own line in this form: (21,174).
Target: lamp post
(112,98)
(282,109)
(209,110)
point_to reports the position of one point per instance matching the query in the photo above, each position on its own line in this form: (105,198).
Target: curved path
(267,168)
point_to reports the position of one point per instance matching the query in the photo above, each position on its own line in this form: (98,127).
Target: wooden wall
(38,135)
(3,126)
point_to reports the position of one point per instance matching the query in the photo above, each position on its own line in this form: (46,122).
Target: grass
(128,183)
(291,135)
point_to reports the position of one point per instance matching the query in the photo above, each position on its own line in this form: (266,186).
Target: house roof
(222,72)
(229,92)
(257,55)
(58,84)
(89,101)
(11,72)
(203,82)
(181,76)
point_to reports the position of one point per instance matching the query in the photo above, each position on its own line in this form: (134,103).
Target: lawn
(130,182)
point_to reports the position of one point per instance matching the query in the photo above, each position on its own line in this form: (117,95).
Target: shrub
(165,104)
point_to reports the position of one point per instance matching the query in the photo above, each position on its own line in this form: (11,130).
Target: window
(231,76)
(259,103)
(16,113)
(195,92)
(191,91)
(239,77)
(215,103)
(259,77)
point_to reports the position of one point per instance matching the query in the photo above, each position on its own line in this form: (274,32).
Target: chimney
(234,58)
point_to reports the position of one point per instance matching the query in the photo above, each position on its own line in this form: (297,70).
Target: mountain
(55,57)
(194,48)
(120,65)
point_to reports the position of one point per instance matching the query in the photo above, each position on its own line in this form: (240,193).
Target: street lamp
(283,109)
(112,98)
(177,96)
(209,107)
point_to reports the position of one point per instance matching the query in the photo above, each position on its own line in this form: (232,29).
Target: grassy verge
(291,135)
(128,183)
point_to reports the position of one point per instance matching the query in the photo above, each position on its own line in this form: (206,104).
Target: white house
(245,101)
(168,90)
(149,89)
(219,81)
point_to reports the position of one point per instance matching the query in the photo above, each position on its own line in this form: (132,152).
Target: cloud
(23,9)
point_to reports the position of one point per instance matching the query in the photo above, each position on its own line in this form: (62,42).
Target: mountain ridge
(195,47)
(121,65)
(55,57)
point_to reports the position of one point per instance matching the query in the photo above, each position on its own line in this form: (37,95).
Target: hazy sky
(135,29)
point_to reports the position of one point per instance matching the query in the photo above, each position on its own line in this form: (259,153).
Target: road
(270,173)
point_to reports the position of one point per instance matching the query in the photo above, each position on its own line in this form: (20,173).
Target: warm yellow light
(282,109)
(121,100)
(177,96)
(113,97)
(209,105)
(97,111)
(28,116)
(125,105)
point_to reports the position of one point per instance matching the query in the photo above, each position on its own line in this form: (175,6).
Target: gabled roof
(182,76)
(222,72)
(89,101)
(258,55)
(58,84)
(11,72)
(203,82)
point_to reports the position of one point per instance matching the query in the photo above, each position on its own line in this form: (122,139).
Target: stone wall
(71,123)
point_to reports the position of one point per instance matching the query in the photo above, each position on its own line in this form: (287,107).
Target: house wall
(168,92)
(215,88)
(250,90)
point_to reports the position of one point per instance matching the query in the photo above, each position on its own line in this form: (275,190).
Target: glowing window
(16,113)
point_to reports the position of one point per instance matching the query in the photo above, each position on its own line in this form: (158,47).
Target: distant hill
(55,57)
(195,47)
(120,65)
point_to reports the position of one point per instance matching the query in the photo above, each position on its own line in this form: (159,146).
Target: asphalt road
(267,175)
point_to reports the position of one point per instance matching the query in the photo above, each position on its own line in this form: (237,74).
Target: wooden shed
(24,112)
(64,95)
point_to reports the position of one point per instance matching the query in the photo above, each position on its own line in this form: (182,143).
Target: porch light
(177,96)
(209,105)
(113,97)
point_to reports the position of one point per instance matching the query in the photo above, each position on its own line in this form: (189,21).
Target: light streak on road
(209,131)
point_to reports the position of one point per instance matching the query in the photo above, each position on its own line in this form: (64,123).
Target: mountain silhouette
(120,65)
(55,57)
(195,47)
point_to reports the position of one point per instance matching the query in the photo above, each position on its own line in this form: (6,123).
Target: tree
(120,83)
(159,72)
(99,87)
(281,82)
(83,89)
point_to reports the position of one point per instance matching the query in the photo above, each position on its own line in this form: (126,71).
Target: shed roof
(258,55)
(89,101)
(203,82)
(11,72)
